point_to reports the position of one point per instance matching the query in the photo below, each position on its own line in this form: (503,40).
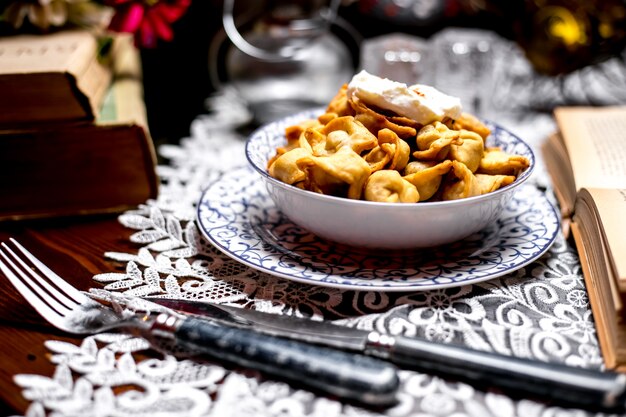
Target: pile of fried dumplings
(360,152)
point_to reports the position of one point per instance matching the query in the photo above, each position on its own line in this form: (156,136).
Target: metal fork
(55,300)
(355,377)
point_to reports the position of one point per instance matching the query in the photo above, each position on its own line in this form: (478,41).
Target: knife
(518,377)
(353,377)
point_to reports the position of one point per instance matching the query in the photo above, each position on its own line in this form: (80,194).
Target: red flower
(148,20)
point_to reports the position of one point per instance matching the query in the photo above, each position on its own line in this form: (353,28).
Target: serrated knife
(518,377)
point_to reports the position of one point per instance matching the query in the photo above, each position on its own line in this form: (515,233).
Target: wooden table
(72,247)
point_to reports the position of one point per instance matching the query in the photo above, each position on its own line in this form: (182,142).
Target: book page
(595,138)
(611,206)
(559,167)
(600,297)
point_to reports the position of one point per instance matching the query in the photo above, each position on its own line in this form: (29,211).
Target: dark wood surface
(72,247)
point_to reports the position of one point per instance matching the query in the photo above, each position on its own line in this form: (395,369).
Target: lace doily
(540,311)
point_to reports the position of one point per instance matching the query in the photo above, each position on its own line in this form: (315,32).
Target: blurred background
(557,37)
(572,52)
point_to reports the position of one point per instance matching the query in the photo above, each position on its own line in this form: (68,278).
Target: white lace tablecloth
(541,311)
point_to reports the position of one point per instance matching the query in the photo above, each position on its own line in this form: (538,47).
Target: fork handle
(356,377)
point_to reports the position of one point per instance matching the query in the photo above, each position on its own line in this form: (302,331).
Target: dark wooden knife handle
(565,385)
(346,375)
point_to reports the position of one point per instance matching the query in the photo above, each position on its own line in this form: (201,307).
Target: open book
(587,163)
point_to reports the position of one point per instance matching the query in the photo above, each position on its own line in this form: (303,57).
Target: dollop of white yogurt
(422,103)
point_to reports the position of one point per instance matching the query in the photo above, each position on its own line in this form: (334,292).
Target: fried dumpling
(426,176)
(388,186)
(380,156)
(285,167)
(327,117)
(470,151)
(315,141)
(489,183)
(391,152)
(293,132)
(470,122)
(353,135)
(340,132)
(434,141)
(497,162)
(334,173)
(402,150)
(339,104)
(374,121)
(462,183)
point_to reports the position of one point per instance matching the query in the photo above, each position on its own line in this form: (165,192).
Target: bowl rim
(256,134)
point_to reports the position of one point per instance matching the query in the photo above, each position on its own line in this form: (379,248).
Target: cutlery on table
(356,377)
(562,384)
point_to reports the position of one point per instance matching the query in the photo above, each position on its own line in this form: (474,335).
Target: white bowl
(382,225)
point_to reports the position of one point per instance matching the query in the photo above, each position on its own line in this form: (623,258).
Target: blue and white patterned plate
(237,215)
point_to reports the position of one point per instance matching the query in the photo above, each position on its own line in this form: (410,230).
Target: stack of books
(586,159)
(74,137)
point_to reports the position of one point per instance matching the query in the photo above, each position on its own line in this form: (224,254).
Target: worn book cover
(107,166)
(81,168)
(57,77)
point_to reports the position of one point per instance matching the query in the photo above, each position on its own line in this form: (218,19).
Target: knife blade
(518,377)
(352,377)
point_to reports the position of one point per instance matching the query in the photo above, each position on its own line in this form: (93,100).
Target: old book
(106,166)
(600,236)
(587,163)
(57,77)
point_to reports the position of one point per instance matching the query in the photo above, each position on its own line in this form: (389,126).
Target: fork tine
(43,308)
(58,281)
(47,292)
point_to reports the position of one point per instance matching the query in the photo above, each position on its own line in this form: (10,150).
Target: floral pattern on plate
(237,215)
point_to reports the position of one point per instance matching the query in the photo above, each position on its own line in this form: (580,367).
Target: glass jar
(289,60)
